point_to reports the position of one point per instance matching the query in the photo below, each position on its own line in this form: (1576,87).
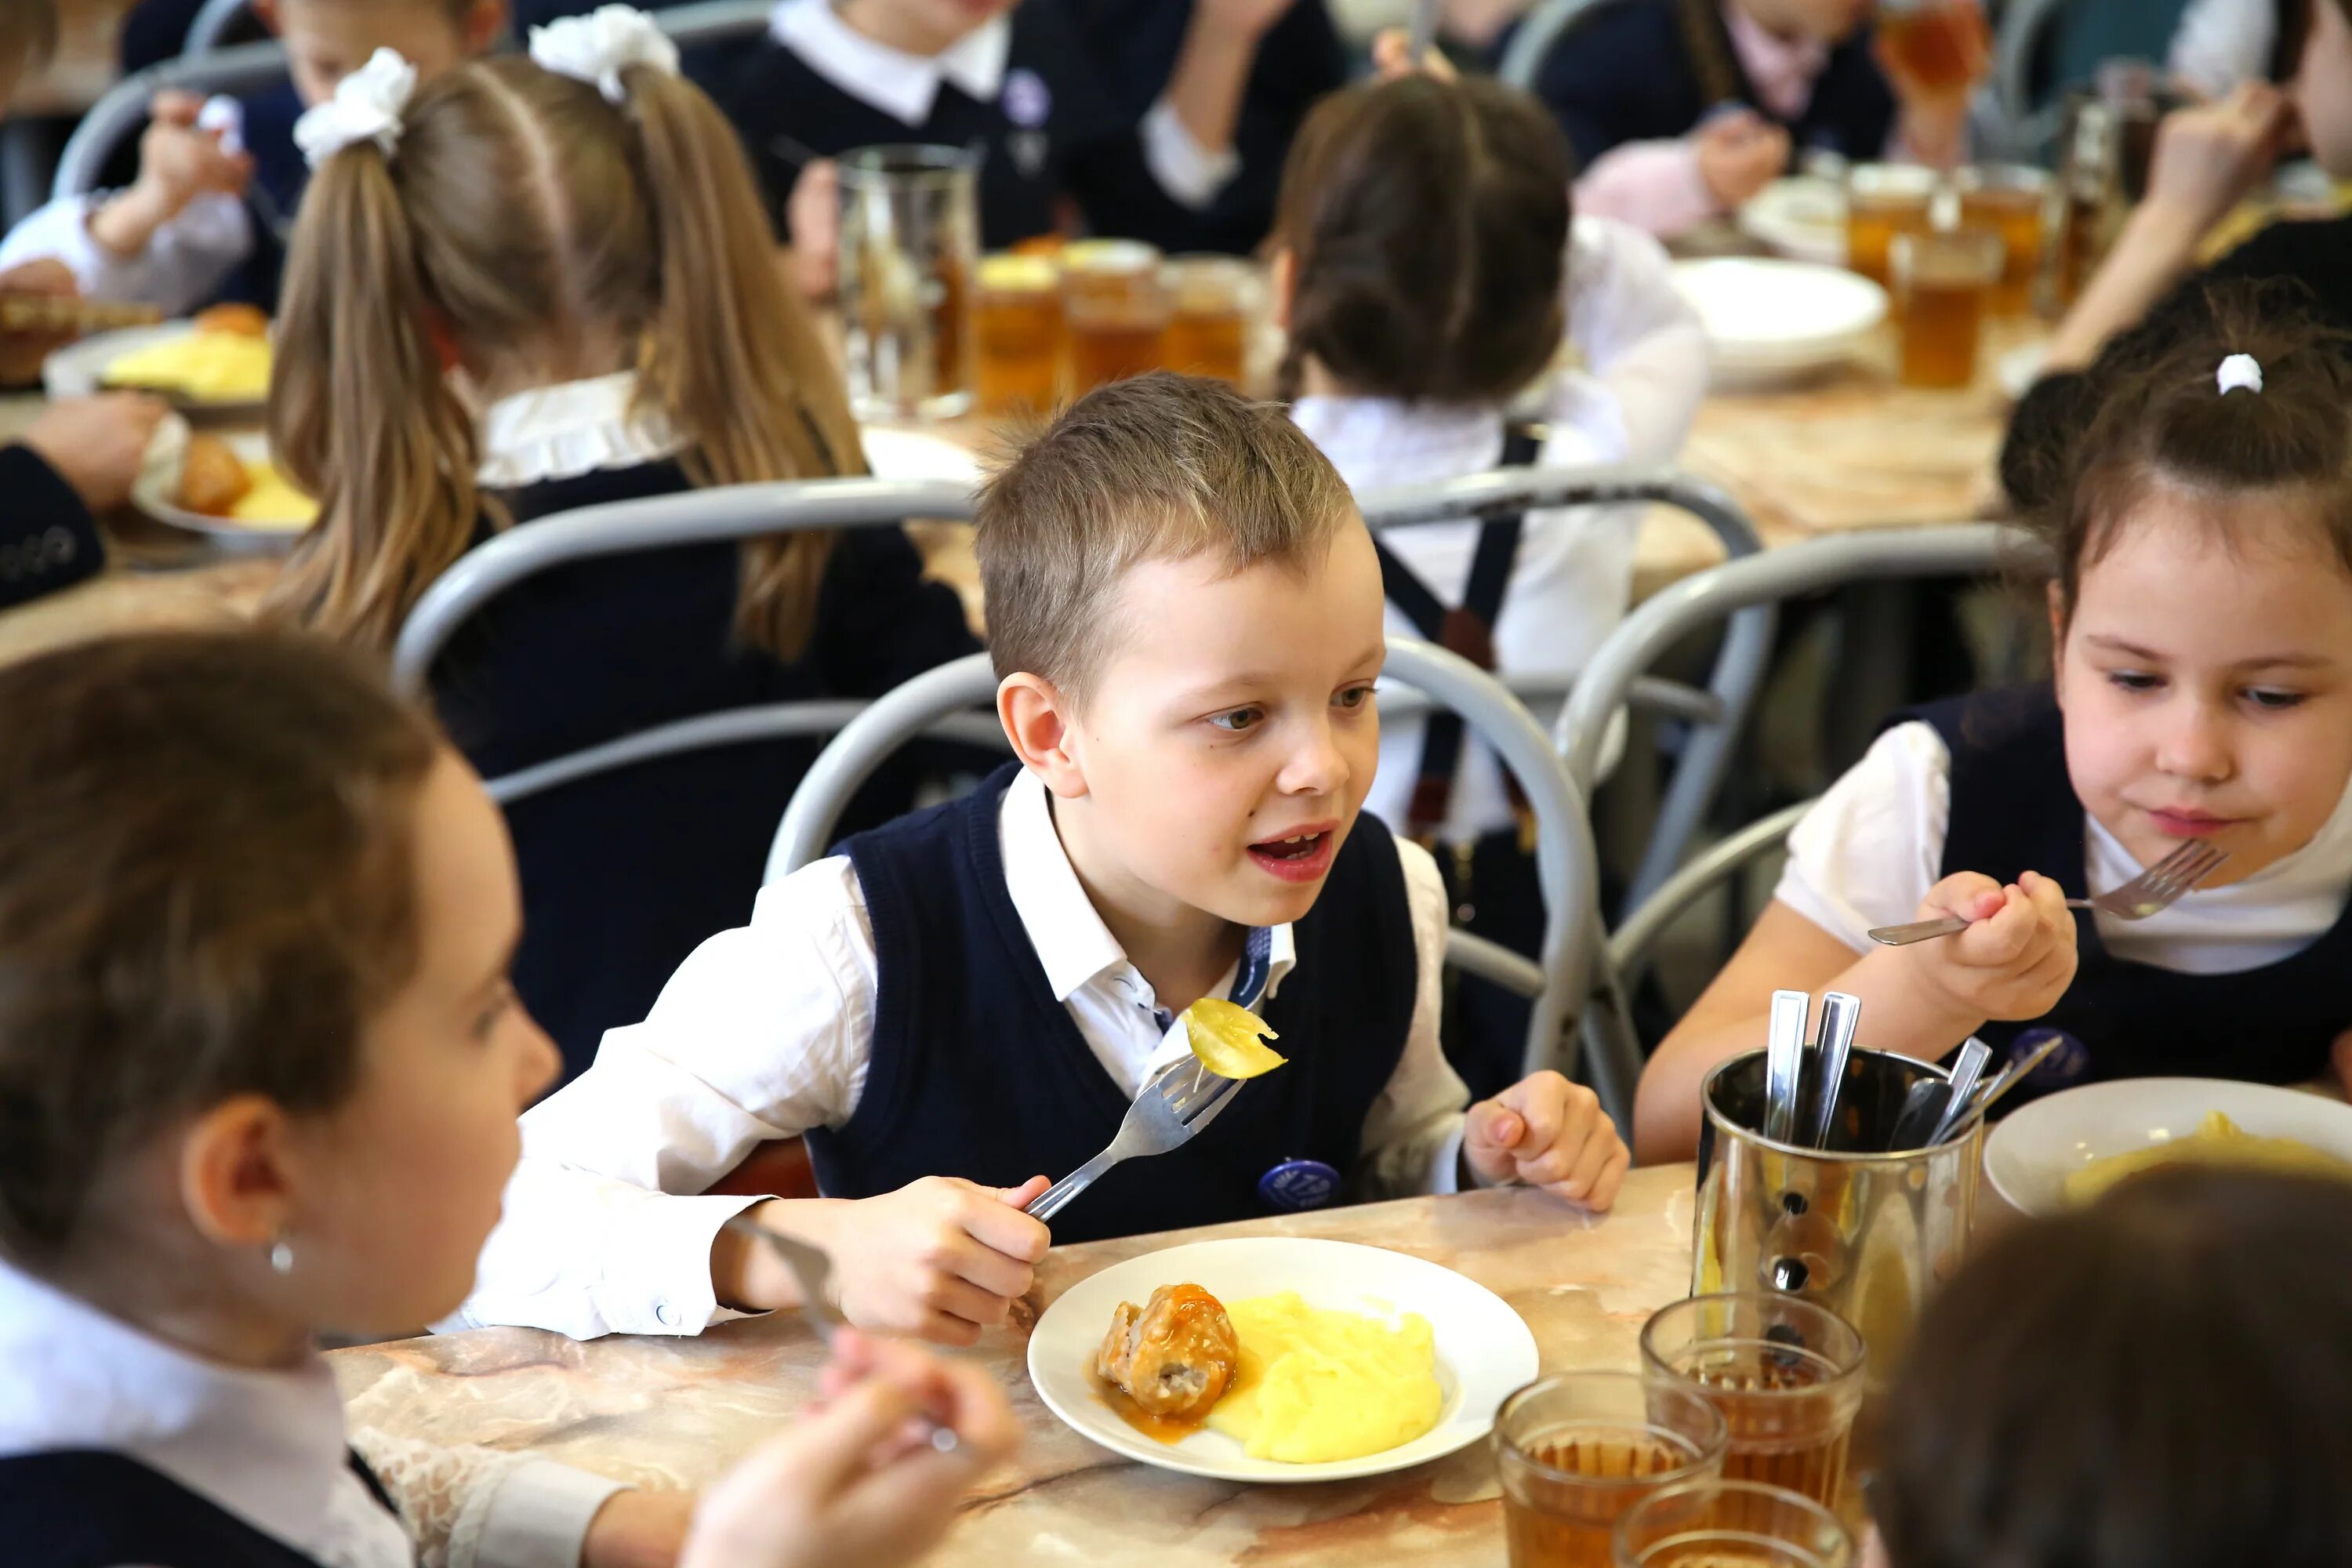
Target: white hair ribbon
(2237,371)
(366,106)
(597,48)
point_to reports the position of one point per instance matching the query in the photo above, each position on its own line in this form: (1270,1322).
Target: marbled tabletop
(673,1411)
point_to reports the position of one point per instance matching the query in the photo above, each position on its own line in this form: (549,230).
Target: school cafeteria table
(673,1411)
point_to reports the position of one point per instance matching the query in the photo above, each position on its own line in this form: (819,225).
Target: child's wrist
(124,224)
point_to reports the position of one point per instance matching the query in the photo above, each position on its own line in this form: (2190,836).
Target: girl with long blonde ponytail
(534,285)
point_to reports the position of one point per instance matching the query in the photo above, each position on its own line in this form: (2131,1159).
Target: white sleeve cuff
(1185,170)
(1445,1161)
(663,1242)
(183,264)
(539,1516)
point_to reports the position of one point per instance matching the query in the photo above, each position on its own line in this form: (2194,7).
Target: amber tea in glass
(2013,201)
(1576,1450)
(1784,1374)
(1726,1523)
(1017,334)
(1212,300)
(1114,310)
(1944,282)
(1882,200)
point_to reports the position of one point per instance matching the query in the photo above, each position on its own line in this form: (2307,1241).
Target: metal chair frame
(1717,714)
(1566,863)
(718,513)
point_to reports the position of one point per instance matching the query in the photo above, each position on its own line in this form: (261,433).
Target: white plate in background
(1803,216)
(1484,1350)
(2029,1156)
(150,496)
(1768,321)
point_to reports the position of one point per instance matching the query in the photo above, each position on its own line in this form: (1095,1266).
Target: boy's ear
(267,10)
(485,23)
(1282,278)
(1042,724)
(235,1172)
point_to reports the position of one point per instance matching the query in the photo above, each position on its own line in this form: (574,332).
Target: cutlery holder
(1867,1234)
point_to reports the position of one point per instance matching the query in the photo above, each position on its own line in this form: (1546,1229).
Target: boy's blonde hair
(1162,467)
(520,215)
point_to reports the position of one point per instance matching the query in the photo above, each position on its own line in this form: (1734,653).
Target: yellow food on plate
(203,366)
(272,502)
(2218,1140)
(1317,1384)
(1228,1038)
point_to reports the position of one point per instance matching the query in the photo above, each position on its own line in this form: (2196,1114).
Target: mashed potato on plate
(205,368)
(2218,1140)
(272,502)
(1317,1385)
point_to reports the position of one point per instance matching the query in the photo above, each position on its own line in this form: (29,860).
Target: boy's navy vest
(979,1072)
(93,1508)
(2014,809)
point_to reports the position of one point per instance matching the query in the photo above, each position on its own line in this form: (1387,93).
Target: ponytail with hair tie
(598,48)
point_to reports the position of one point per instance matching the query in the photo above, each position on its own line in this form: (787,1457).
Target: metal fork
(813,1272)
(2158,888)
(1174,1105)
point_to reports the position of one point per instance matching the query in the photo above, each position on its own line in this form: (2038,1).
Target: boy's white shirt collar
(901,85)
(1069,936)
(268,1447)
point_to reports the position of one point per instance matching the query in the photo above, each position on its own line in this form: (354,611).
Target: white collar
(572,429)
(900,85)
(1069,935)
(267,1446)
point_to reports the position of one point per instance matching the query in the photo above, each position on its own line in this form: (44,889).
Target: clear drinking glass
(1115,310)
(2012,200)
(910,241)
(1731,1524)
(1017,334)
(1213,302)
(1944,282)
(1784,1374)
(1576,1450)
(1882,200)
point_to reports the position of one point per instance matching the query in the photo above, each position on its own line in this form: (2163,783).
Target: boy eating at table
(1186,615)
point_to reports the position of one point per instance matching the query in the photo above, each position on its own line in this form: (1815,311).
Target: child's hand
(179,161)
(853,1485)
(940,1258)
(1740,154)
(2210,157)
(813,217)
(2014,960)
(1392,58)
(97,444)
(1545,1131)
(1250,18)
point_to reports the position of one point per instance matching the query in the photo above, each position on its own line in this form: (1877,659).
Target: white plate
(1771,319)
(1484,1351)
(2030,1154)
(914,455)
(1801,216)
(78,370)
(244,538)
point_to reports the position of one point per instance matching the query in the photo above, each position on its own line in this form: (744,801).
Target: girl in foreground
(2201,612)
(259,1070)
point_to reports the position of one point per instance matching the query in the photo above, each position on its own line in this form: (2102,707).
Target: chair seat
(778,1168)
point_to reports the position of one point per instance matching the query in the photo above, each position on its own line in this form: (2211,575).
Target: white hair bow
(597,48)
(366,106)
(2237,371)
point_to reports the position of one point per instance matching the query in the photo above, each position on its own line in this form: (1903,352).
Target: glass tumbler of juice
(1944,282)
(1017,334)
(1882,200)
(1114,312)
(2013,200)
(1731,1524)
(1215,301)
(1576,1450)
(1785,1375)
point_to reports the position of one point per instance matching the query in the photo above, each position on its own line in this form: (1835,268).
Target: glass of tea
(1114,312)
(909,237)
(1934,48)
(1731,1524)
(1882,200)
(2012,200)
(1016,333)
(1784,1374)
(1213,301)
(1576,1450)
(1943,282)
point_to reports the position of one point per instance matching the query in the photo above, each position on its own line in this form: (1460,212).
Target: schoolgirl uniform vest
(94,1508)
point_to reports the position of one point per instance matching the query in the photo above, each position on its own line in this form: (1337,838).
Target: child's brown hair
(206,888)
(2161,418)
(1163,467)
(521,217)
(2160,1381)
(1428,223)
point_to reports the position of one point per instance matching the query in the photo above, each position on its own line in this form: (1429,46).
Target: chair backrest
(1565,863)
(1523,57)
(207,68)
(718,513)
(1735,588)
(121,111)
(1716,715)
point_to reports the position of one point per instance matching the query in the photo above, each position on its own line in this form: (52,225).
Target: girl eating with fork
(2199,548)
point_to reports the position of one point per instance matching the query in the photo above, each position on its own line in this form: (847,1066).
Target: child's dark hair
(1428,222)
(205,888)
(2160,1381)
(2161,420)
